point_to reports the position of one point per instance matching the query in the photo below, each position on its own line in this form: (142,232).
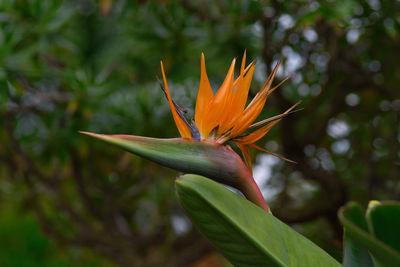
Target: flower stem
(251,191)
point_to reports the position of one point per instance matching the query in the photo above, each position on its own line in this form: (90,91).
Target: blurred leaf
(383,253)
(384,222)
(23,243)
(244,233)
(354,255)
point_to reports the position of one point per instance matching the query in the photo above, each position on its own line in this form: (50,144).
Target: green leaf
(383,253)
(245,234)
(384,222)
(353,254)
(209,159)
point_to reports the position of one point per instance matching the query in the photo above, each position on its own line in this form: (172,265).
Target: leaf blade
(245,234)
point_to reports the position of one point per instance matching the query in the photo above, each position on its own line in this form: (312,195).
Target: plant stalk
(250,189)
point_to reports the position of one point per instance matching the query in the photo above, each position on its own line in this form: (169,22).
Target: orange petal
(256,135)
(245,151)
(204,96)
(180,124)
(254,108)
(239,99)
(243,63)
(239,85)
(217,107)
(242,91)
(259,133)
(245,71)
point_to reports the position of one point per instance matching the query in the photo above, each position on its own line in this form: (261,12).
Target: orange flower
(224,116)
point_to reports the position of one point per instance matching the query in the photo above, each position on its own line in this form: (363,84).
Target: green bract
(190,156)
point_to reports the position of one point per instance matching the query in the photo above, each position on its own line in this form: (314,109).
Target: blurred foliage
(90,65)
(371,239)
(24,244)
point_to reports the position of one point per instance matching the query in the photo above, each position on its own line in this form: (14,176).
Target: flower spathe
(224,116)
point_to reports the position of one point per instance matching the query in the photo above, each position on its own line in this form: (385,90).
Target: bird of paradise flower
(218,119)
(223,117)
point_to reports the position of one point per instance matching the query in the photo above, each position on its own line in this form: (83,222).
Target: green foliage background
(90,65)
